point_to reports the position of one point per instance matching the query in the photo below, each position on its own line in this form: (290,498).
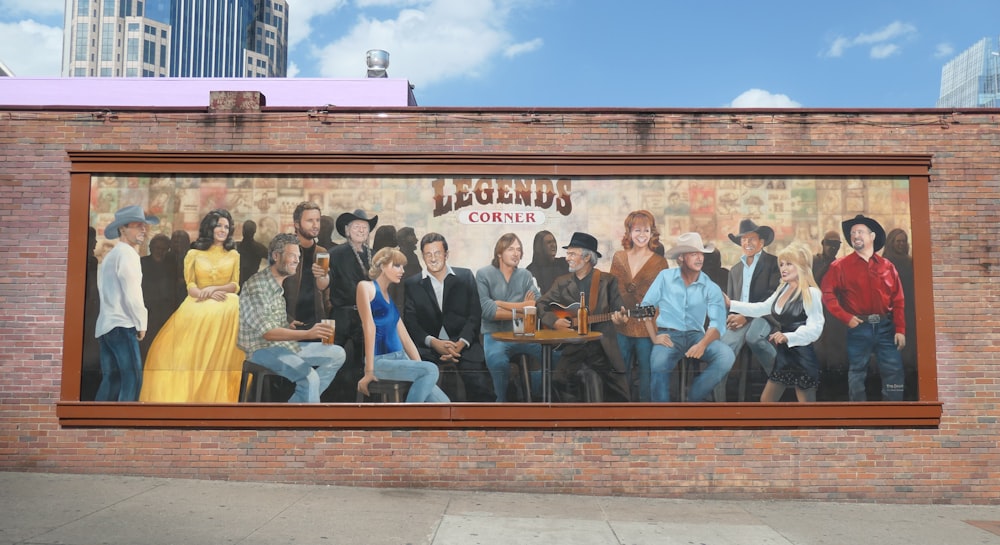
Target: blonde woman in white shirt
(795,310)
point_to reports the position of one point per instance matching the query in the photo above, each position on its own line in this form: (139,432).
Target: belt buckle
(873,318)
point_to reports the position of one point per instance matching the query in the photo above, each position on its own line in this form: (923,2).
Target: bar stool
(386,391)
(523,376)
(253,381)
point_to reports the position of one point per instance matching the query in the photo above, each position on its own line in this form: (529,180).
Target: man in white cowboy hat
(862,290)
(751,280)
(349,265)
(685,298)
(122,319)
(602,357)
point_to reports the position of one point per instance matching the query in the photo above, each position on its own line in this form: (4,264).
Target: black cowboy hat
(868,222)
(346,218)
(747,226)
(585,241)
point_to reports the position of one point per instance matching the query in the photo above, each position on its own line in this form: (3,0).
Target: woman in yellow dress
(194,358)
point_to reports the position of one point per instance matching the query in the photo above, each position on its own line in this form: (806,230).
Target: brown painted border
(923,413)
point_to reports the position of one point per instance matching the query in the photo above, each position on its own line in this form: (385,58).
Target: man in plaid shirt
(269,340)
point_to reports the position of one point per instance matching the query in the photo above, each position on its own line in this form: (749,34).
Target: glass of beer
(333,326)
(323,260)
(517,322)
(530,321)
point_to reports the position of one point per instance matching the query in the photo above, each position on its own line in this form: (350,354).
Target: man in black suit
(442,315)
(753,279)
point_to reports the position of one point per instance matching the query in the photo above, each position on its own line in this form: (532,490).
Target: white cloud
(944,50)
(894,30)
(38,8)
(882,51)
(42,59)
(432,42)
(759,98)
(883,41)
(301,14)
(523,47)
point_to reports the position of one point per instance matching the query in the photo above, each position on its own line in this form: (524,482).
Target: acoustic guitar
(569,312)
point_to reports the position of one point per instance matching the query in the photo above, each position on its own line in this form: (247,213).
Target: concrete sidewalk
(41,508)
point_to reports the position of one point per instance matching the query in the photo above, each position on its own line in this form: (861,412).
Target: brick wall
(955,463)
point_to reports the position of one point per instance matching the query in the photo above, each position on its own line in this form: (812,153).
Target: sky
(602,53)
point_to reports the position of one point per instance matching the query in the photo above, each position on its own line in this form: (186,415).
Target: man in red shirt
(862,289)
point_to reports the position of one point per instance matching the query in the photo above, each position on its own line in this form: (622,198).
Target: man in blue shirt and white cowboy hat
(685,297)
(122,320)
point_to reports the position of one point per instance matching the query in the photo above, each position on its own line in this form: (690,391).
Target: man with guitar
(597,362)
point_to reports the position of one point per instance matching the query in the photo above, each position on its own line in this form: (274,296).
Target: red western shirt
(855,287)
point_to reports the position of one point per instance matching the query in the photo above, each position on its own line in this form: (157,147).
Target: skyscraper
(210,37)
(972,79)
(204,38)
(113,38)
(267,54)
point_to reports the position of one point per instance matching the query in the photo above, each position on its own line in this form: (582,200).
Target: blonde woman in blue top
(389,350)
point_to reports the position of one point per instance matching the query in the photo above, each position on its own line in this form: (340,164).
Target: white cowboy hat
(688,243)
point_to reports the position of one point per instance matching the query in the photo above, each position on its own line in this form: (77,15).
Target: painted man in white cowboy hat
(122,320)
(862,290)
(349,265)
(751,280)
(602,357)
(685,298)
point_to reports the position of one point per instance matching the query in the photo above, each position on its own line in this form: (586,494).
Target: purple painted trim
(179,92)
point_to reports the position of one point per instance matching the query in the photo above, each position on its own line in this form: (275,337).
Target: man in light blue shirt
(685,298)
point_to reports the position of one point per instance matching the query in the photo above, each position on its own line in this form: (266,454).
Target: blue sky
(629,53)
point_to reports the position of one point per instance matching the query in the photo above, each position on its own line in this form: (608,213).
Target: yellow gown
(194,358)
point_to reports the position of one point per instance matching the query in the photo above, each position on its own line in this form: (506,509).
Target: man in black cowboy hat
(601,357)
(349,265)
(752,279)
(862,290)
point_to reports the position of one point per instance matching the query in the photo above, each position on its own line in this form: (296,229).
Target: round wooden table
(549,339)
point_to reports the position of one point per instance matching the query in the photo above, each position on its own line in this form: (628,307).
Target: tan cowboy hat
(688,243)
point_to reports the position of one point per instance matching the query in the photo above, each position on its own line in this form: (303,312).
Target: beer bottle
(582,317)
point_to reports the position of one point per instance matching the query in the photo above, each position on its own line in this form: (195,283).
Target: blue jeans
(718,356)
(498,355)
(423,375)
(312,368)
(880,339)
(642,348)
(121,365)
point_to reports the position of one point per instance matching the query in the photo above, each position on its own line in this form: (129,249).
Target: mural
(473,212)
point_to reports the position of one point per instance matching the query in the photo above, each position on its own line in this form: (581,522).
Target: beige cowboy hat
(688,243)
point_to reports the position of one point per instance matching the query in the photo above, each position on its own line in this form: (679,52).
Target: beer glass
(333,326)
(530,321)
(518,322)
(323,260)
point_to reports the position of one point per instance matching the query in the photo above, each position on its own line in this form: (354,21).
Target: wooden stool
(253,381)
(386,391)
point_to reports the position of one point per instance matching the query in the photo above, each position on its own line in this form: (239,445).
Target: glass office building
(178,38)
(114,38)
(972,79)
